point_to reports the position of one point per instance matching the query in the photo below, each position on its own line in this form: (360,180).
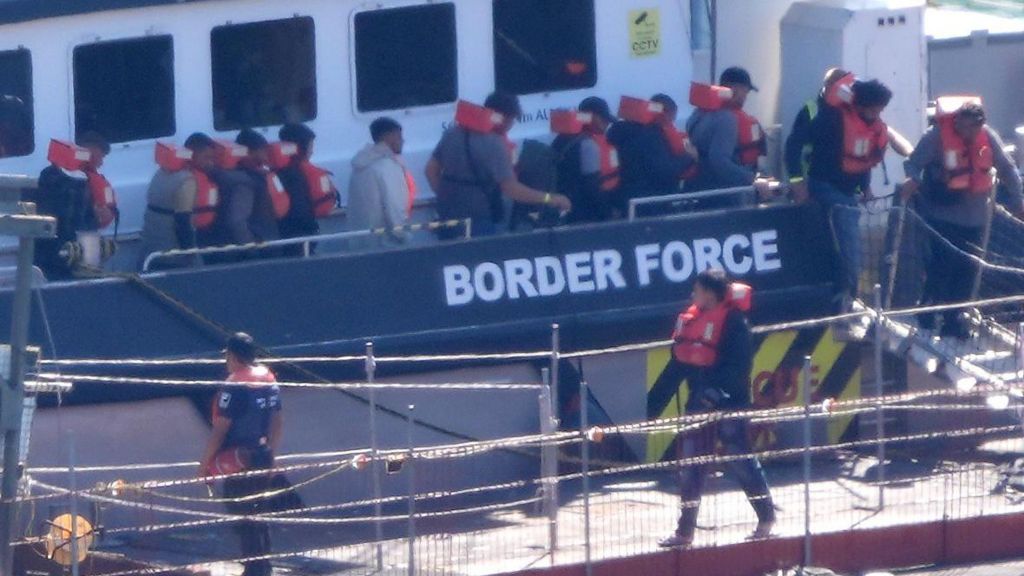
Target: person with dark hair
(309,187)
(848,139)
(381,190)
(950,173)
(472,168)
(245,213)
(77,196)
(246,431)
(714,354)
(587,167)
(171,201)
(728,140)
(654,155)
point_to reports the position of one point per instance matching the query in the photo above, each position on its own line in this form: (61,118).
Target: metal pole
(548,463)
(893,259)
(584,401)
(806,381)
(411,478)
(13,401)
(1019,347)
(73,485)
(555,356)
(879,393)
(371,371)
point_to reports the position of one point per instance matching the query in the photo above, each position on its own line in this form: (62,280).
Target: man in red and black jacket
(714,354)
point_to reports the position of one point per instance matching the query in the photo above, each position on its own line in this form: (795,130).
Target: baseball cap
(251,139)
(597,107)
(242,346)
(738,76)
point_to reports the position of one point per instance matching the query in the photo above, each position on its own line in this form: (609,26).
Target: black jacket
(647,165)
(731,372)
(827,153)
(300,220)
(67,199)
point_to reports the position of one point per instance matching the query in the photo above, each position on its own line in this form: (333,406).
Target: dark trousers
(748,472)
(254,536)
(950,273)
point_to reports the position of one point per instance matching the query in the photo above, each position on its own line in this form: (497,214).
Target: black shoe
(926,321)
(676,540)
(955,329)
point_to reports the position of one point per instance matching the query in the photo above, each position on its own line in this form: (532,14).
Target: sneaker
(676,540)
(763,530)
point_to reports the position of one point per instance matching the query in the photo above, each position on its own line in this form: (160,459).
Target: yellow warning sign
(644,32)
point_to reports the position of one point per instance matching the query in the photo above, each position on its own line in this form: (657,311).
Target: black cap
(738,76)
(242,346)
(297,133)
(251,139)
(597,107)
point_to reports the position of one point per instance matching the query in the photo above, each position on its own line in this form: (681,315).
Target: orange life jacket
(322,192)
(229,153)
(967,167)
(279,198)
(570,122)
(476,118)
(609,174)
(749,134)
(863,144)
(698,332)
(410,186)
(204,210)
(172,158)
(840,93)
(749,138)
(104,200)
(280,154)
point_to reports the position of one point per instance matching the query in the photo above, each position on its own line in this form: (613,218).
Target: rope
(468,386)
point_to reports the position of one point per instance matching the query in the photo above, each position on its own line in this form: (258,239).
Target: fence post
(879,393)
(73,485)
(556,352)
(411,479)
(805,378)
(585,450)
(548,463)
(1019,348)
(893,259)
(371,371)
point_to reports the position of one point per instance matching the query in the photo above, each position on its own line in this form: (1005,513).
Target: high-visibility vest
(698,332)
(967,167)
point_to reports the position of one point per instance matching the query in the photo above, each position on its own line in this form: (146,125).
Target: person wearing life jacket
(180,193)
(310,189)
(653,154)
(472,168)
(381,190)
(72,190)
(246,432)
(245,212)
(713,353)
(951,176)
(728,140)
(587,167)
(798,143)
(848,139)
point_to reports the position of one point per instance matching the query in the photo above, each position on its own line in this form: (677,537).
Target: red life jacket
(204,210)
(410,186)
(171,157)
(647,112)
(570,122)
(840,93)
(476,118)
(229,153)
(235,460)
(104,200)
(863,145)
(280,154)
(279,198)
(322,192)
(698,332)
(967,167)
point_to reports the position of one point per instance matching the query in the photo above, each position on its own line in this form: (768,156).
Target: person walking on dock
(247,426)
(714,354)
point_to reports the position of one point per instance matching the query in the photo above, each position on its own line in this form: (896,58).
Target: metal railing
(307,241)
(746,195)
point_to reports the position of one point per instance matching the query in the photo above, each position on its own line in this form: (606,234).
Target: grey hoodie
(378,193)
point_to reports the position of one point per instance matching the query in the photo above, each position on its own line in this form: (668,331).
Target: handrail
(667,198)
(307,240)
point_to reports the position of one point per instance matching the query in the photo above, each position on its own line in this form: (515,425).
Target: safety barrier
(307,241)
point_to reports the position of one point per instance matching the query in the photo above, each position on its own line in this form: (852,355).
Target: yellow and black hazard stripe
(775,382)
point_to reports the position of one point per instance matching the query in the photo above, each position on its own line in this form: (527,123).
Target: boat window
(17,133)
(544,46)
(264,73)
(124,89)
(405,57)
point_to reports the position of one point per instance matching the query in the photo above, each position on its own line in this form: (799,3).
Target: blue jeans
(843,216)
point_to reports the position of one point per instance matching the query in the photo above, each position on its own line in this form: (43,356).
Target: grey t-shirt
(925,166)
(465,187)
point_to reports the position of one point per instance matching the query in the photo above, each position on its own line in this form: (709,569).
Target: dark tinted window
(264,73)
(544,46)
(124,90)
(405,57)
(16,125)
